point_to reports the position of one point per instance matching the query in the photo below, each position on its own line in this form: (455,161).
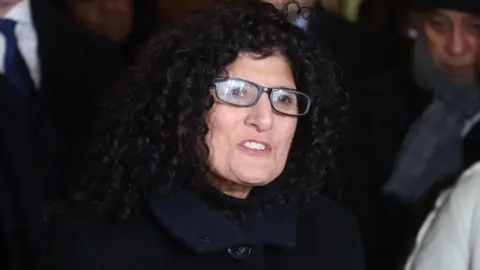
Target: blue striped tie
(16,69)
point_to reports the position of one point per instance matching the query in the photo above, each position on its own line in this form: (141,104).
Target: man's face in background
(453,40)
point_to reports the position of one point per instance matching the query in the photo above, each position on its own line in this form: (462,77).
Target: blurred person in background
(53,74)
(409,125)
(357,54)
(174,12)
(110,18)
(126,22)
(219,148)
(449,237)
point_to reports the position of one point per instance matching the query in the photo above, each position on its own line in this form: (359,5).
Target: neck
(6,6)
(229,188)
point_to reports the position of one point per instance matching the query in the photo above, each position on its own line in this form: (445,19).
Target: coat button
(239,253)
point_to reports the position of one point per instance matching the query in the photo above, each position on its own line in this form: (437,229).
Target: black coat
(186,231)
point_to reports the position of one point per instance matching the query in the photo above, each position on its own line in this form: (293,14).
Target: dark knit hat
(468,6)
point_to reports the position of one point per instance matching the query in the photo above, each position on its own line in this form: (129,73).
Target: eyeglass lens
(244,94)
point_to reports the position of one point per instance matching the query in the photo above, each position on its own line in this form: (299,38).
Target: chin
(255,180)
(462,80)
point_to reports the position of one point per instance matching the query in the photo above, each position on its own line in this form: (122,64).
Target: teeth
(255,145)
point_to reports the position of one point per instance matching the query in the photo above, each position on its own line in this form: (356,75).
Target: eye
(287,99)
(237,91)
(438,23)
(475,27)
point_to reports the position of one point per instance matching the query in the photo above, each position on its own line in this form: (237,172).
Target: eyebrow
(284,87)
(276,87)
(437,13)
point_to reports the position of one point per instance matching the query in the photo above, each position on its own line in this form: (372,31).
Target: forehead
(454,15)
(272,71)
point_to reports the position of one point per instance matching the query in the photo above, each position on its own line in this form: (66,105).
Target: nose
(457,42)
(260,116)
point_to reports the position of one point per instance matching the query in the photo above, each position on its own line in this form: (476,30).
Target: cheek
(435,46)
(288,131)
(434,38)
(473,42)
(222,124)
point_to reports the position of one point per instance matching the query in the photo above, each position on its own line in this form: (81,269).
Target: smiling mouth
(256,147)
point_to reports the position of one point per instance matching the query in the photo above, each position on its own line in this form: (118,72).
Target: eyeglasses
(242,93)
(292,7)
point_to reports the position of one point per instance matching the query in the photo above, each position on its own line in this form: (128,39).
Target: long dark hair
(159,123)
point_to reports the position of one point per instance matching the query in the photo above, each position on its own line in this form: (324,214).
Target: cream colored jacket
(450,237)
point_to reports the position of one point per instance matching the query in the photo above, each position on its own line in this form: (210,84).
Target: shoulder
(465,192)
(450,230)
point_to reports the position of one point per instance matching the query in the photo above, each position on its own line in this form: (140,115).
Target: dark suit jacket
(77,68)
(44,136)
(20,203)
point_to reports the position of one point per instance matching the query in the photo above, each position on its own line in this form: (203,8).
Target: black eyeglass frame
(261,90)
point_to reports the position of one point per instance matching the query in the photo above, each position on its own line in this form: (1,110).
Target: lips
(255,146)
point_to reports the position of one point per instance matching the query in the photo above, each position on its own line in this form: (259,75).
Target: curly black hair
(156,142)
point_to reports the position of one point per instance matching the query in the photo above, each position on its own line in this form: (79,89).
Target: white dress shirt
(450,237)
(26,37)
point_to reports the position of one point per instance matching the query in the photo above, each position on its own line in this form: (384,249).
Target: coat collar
(198,226)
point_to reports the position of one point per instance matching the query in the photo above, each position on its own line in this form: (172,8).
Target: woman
(195,173)
(449,238)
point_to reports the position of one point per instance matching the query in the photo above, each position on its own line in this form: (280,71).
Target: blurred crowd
(401,123)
